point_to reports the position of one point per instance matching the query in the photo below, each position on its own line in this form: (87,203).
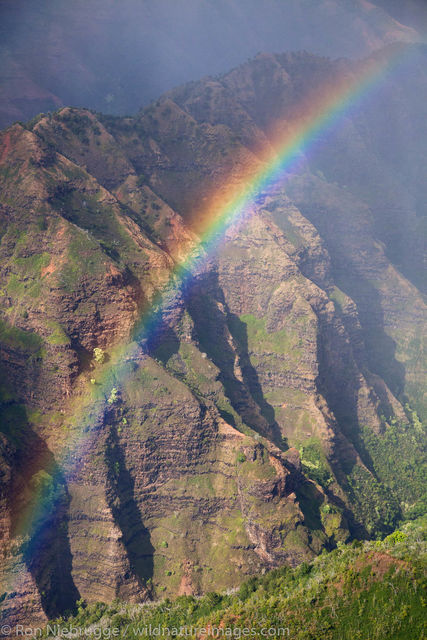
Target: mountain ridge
(254,410)
(116,57)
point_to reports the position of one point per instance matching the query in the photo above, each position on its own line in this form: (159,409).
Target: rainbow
(325,110)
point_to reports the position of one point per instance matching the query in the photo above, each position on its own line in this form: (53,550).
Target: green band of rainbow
(324,114)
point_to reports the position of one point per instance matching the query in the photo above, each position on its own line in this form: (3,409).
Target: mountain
(373,589)
(114,56)
(412,13)
(274,410)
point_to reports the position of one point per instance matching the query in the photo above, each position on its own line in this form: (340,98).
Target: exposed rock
(233,423)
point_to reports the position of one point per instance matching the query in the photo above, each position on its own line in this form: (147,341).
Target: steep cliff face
(267,416)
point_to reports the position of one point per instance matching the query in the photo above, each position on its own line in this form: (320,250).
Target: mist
(115,57)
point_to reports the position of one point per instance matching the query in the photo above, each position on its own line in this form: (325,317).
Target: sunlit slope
(275,403)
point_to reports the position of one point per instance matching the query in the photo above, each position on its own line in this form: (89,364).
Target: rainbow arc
(323,113)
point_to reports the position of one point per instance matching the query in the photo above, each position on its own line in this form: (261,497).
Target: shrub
(99,355)
(396,536)
(247,588)
(113,396)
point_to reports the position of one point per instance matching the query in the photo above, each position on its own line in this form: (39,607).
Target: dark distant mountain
(115,56)
(275,412)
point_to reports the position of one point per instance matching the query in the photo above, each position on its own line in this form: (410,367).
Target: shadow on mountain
(341,386)
(239,331)
(309,499)
(214,327)
(380,347)
(164,344)
(39,511)
(338,382)
(121,498)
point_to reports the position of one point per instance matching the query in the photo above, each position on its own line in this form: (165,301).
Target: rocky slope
(272,412)
(322,599)
(114,57)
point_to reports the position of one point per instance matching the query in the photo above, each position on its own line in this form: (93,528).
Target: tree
(99,355)
(113,396)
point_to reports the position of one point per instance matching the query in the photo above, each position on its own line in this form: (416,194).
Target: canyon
(275,410)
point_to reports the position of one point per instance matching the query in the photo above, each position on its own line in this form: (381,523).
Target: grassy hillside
(272,410)
(358,591)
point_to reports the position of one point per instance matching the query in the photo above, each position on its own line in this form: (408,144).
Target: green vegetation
(58,336)
(267,379)
(35,120)
(113,397)
(77,122)
(314,463)
(22,340)
(32,265)
(280,216)
(358,591)
(74,269)
(372,503)
(279,342)
(339,299)
(393,487)
(399,458)
(99,355)
(14,419)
